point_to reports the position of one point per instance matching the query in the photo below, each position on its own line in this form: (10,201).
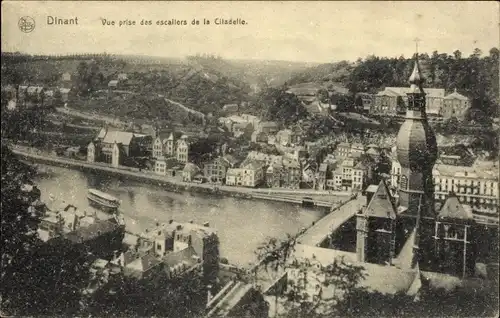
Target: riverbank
(175,185)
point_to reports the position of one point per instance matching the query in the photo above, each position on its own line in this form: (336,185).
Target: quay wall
(169,183)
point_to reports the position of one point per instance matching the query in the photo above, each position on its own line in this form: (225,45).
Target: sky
(292,31)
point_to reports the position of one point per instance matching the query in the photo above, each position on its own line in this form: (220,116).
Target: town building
(343,150)
(366,101)
(231,108)
(244,129)
(122,77)
(163,166)
(71,231)
(240,124)
(174,249)
(165,143)
(476,187)
(357,150)
(267,127)
(253,120)
(287,137)
(215,171)
(118,147)
(265,158)
(359,176)
(65,93)
(271,140)
(66,77)
(190,172)
(323,172)
(453,233)
(259,136)
(292,173)
(455,105)
(251,174)
(182,148)
(113,84)
(274,175)
(394,100)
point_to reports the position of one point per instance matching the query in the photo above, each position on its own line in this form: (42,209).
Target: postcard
(250,158)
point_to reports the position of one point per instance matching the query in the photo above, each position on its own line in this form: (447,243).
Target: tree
(124,296)
(58,101)
(274,255)
(18,228)
(318,290)
(281,106)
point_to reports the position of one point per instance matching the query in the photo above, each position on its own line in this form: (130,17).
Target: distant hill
(274,73)
(323,73)
(255,73)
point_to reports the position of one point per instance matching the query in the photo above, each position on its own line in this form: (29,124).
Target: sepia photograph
(267,159)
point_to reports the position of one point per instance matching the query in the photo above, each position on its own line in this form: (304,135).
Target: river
(242,225)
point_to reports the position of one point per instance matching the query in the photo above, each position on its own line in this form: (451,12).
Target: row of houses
(251,127)
(393,101)
(476,185)
(25,92)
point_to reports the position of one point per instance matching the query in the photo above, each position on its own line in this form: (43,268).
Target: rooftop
(92,231)
(381,203)
(453,209)
(120,137)
(380,278)
(142,265)
(187,256)
(465,172)
(402,91)
(456,95)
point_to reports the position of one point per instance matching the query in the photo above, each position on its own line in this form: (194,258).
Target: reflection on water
(241,224)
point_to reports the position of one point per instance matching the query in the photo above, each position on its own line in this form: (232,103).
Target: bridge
(317,233)
(222,304)
(297,199)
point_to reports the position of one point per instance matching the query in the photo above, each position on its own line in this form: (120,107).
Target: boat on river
(103,200)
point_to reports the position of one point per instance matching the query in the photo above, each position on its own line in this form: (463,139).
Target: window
(404,183)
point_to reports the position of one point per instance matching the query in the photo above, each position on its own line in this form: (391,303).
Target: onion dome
(416,76)
(416,79)
(416,145)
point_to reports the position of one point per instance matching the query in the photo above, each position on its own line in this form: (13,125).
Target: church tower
(417,153)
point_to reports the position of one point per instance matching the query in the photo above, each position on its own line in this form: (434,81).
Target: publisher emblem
(26,24)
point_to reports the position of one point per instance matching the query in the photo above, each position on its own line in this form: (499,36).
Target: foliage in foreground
(350,299)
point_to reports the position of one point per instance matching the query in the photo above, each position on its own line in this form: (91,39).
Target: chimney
(206,224)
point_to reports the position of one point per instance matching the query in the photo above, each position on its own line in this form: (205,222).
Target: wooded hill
(475,76)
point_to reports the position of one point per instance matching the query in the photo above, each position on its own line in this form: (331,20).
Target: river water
(242,225)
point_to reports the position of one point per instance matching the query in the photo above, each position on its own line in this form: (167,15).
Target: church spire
(416,77)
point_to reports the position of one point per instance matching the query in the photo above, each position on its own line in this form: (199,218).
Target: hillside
(203,83)
(323,73)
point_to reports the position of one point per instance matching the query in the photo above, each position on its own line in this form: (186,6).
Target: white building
(474,186)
